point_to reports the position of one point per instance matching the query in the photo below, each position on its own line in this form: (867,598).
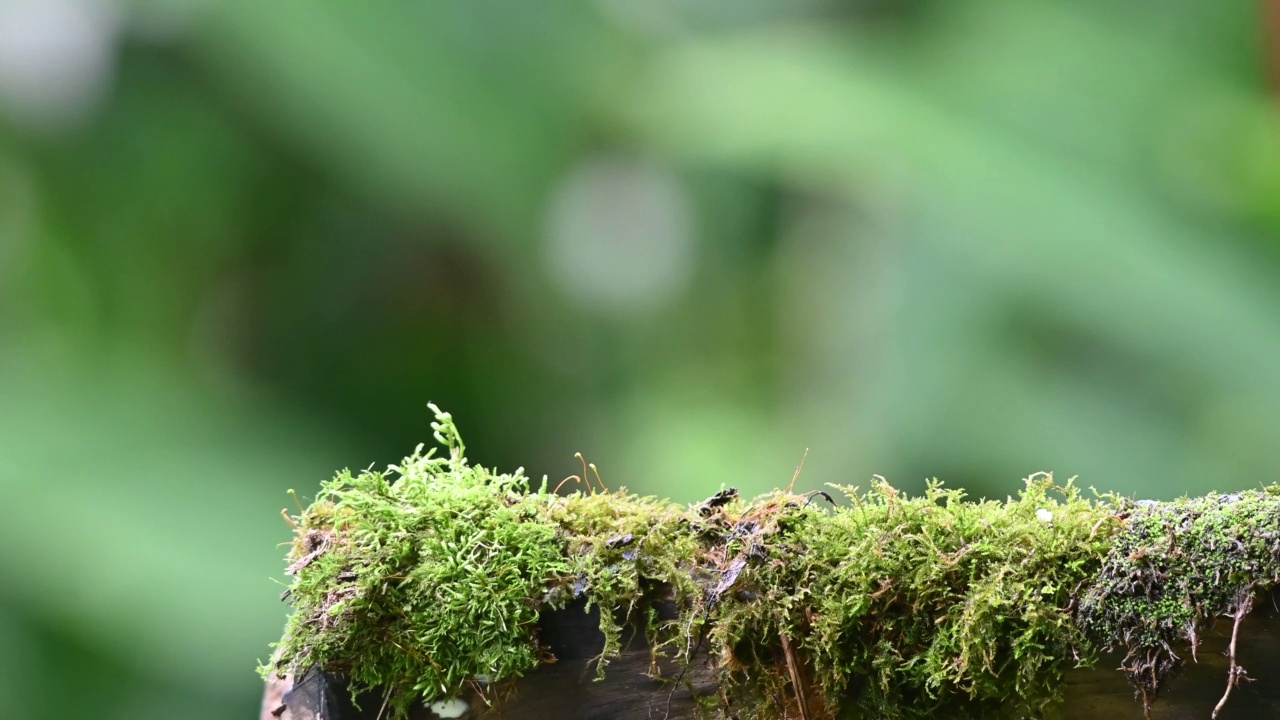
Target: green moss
(414,586)
(416,580)
(915,607)
(1177,567)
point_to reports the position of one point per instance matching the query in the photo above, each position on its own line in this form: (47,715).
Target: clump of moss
(622,550)
(417,581)
(916,607)
(1176,568)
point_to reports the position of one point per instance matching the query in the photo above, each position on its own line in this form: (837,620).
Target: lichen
(415,581)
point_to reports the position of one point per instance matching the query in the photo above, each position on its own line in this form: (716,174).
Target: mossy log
(568,689)
(440,589)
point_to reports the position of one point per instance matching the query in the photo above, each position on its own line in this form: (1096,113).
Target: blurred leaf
(1018,221)
(467,109)
(138,513)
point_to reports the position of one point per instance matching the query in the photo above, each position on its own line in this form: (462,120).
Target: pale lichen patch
(449,708)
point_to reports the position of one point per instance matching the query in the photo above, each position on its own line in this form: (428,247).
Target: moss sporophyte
(425,582)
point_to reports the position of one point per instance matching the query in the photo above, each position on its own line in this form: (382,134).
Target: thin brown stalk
(1234,671)
(794,669)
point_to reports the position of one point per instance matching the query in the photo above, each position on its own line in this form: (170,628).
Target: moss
(414,586)
(1177,567)
(415,581)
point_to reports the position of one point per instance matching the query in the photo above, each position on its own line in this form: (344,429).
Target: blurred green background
(243,243)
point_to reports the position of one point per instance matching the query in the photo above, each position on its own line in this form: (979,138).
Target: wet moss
(426,581)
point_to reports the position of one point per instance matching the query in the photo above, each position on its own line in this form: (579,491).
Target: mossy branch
(426,581)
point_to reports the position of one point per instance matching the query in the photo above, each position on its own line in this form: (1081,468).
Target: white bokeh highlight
(620,237)
(57,59)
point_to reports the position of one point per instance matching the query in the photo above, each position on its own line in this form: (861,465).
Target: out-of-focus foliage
(242,243)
